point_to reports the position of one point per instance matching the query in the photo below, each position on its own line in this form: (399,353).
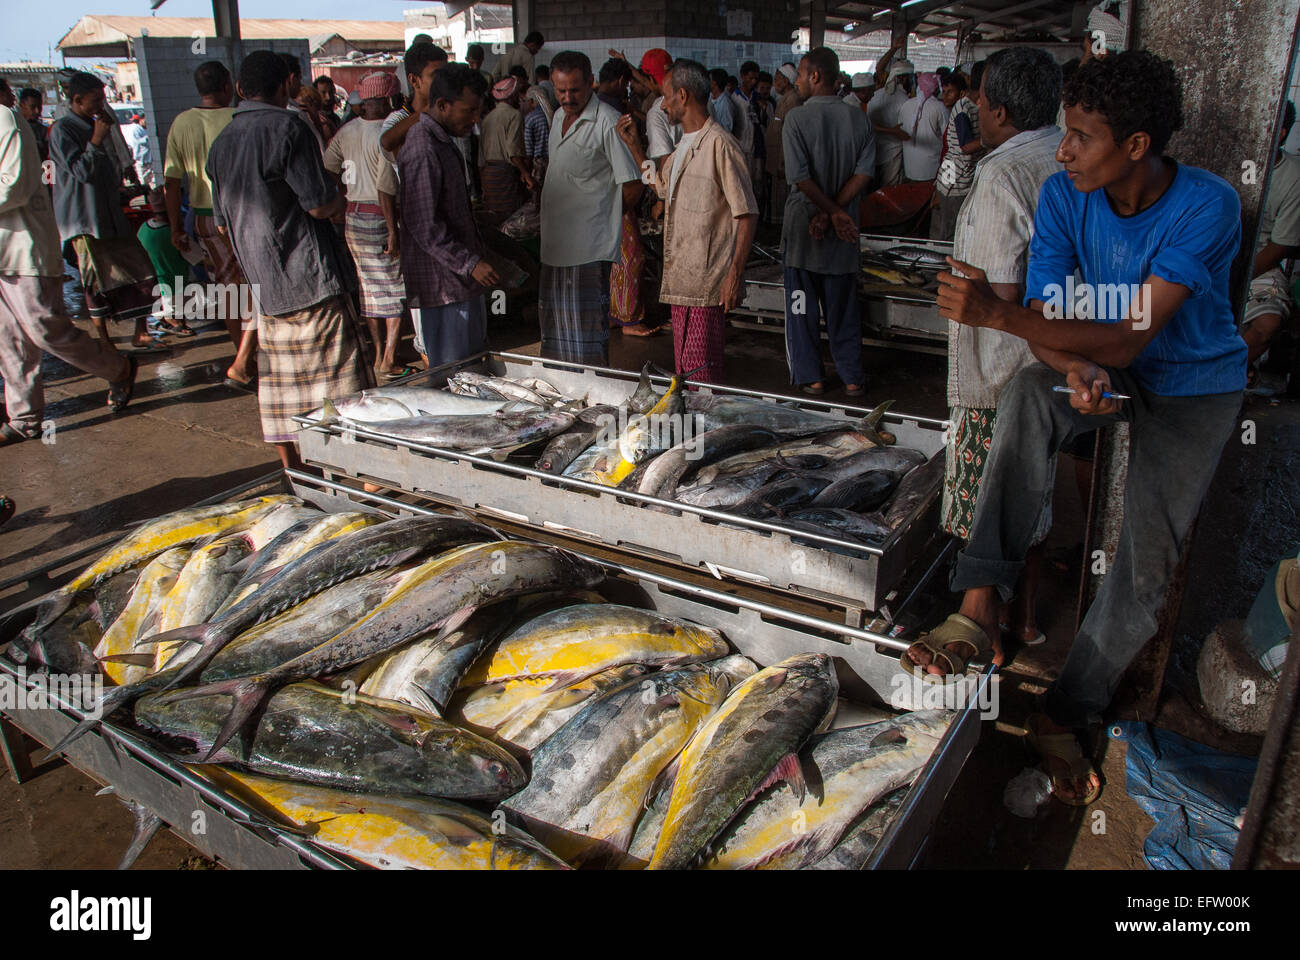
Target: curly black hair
(1135,90)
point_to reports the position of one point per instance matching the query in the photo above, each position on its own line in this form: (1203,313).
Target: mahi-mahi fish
(751,742)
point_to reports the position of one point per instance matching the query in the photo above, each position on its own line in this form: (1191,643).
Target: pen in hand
(1107,395)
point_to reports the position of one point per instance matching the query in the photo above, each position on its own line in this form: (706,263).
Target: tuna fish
(177,529)
(860,493)
(347,741)
(852,768)
(565,448)
(750,743)
(576,642)
(445,592)
(390,833)
(592,777)
(913,490)
(479,435)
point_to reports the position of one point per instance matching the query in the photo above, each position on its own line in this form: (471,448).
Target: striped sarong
(303,359)
(699,340)
(503,191)
(625,305)
(382,287)
(117,277)
(573,303)
(969,440)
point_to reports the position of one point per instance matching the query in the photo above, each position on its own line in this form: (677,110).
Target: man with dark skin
(1133,220)
(430,61)
(829,152)
(591,180)
(188,141)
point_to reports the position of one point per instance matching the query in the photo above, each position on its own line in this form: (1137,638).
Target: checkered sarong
(382,286)
(303,359)
(969,442)
(574,306)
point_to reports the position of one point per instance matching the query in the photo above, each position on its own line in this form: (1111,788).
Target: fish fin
(891,735)
(131,659)
(147,628)
(788,769)
(774,680)
(567,677)
(457,620)
(621,838)
(329,413)
(147,823)
(240,568)
(664,780)
(106,791)
(51,608)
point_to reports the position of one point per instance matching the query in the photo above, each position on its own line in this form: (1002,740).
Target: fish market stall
(273,797)
(767,550)
(896,288)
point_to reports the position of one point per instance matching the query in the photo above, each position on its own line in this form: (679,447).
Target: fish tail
(246,695)
(108,703)
(51,608)
(329,412)
(210,637)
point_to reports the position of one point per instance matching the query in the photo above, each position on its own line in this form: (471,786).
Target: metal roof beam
(985,17)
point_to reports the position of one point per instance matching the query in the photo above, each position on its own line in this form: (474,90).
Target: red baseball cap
(655,63)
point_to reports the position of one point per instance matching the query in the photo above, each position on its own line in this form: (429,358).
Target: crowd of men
(1040,176)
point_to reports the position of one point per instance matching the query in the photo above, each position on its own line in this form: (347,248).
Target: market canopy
(110,36)
(994,19)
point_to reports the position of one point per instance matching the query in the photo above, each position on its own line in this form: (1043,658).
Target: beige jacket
(712,190)
(29,237)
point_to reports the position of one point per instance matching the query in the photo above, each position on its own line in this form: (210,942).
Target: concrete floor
(187,436)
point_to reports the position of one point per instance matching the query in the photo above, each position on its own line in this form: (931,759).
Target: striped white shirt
(994,227)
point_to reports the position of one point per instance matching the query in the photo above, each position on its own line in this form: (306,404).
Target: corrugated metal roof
(95,31)
(933,18)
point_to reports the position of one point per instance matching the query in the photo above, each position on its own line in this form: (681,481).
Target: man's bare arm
(1270,255)
(852,187)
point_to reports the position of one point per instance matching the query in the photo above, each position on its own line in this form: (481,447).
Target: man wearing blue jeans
(829,150)
(1154,242)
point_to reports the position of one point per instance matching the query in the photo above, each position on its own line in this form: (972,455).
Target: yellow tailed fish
(151,588)
(591,779)
(391,833)
(206,580)
(147,541)
(576,642)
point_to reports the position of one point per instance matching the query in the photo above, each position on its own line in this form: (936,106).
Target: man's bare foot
(1063,761)
(238,375)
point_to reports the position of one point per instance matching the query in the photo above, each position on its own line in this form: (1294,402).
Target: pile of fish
(740,455)
(420,692)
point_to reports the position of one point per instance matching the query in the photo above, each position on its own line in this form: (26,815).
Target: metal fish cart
(848,576)
(240,836)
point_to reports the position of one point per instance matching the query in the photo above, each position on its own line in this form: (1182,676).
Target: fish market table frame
(855,578)
(238,836)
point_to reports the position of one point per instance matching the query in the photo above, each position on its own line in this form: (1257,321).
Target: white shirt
(663,136)
(684,145)
(355,155)
(29,237)
(883,111)
(923,120)
(582,203)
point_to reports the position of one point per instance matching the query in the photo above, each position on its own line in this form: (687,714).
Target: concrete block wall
(728,54)
(167,67)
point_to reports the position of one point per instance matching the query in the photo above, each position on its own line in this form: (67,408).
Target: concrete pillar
(225,17)
(525,18)
(1201,40)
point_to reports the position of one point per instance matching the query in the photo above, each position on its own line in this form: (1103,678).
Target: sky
(33,33)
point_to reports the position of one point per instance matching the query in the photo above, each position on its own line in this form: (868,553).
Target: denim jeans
(1174,448)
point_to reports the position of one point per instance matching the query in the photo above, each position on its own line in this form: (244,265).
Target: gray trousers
(1174,448)
(32,320)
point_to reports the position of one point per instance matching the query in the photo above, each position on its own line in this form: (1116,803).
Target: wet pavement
(186,437)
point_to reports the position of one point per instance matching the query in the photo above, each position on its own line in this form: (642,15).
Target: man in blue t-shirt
(1149,320)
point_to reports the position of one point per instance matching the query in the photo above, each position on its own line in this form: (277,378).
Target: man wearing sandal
(1017,124)
(1154,241)
(32,315)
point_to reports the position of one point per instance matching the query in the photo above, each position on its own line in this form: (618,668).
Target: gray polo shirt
(266,173)
(87,182)
(826,141)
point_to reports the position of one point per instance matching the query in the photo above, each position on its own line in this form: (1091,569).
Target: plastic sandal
(957,629)
(120,394)
(7,510)
(1063,747)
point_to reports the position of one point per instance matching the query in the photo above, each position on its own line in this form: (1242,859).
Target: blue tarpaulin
(1194,793)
